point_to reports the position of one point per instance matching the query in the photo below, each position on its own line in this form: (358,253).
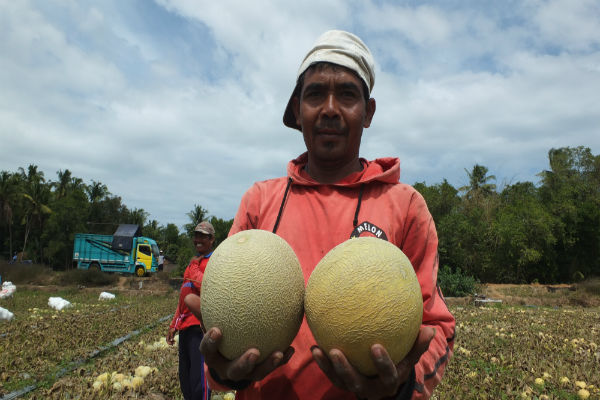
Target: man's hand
(192,302)
(390,377)
(171,336)
(244,367)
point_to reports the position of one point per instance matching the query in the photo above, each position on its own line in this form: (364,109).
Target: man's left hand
(390,377)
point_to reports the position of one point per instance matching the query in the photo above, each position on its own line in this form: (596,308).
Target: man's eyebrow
(344,86)
(314,86)
(349,85)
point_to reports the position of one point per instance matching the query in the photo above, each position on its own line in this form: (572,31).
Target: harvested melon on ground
(253,291)
(364,291)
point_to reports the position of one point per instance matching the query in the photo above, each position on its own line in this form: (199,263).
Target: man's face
(332,113)
(203,242)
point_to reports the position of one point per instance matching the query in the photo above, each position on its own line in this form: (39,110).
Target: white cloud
(185,98)
(572,25)
(422,26)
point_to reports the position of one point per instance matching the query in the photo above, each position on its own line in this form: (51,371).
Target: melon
(364,291)
(253,291)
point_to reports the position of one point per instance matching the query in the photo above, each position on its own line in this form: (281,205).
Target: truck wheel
(94,267)
(140,271)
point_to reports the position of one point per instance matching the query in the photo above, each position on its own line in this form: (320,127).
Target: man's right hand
(243,368)
(171,336)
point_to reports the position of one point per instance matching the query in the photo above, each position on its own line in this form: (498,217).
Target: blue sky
(172,103)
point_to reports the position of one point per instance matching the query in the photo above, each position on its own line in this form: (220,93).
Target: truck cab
(146,256)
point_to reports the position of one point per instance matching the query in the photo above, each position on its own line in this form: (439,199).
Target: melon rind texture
(253,291)
(364,291)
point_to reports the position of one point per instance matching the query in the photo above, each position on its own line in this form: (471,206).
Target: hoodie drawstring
(360,193)
(287,188)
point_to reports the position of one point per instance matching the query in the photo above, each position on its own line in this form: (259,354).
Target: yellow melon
(253,291)
(364,291)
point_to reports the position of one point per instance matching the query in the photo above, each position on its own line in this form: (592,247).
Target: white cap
(341,48)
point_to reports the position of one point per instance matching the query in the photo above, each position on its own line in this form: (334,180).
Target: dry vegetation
(539,343)
(501,351)
(585,294)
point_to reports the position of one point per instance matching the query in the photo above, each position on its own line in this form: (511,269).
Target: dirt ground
(509,294)
(497,289)
(532,295)
(150,284)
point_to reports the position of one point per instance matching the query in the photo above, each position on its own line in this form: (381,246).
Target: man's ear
(296,109)
(370,111)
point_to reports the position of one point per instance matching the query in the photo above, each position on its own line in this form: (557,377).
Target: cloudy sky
(172,103)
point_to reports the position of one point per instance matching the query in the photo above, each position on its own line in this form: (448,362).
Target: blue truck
(125,251)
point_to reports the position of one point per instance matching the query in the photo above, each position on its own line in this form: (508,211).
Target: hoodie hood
(386,170)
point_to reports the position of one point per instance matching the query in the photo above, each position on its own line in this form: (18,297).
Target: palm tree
(138,216)
(32,175)
(97,191)
(478,181)
(36,194)
(61,187)
(9,188)
(197,215)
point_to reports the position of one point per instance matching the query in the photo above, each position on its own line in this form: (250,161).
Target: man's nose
(330,107)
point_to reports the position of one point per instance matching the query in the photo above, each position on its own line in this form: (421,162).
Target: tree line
(520,233)
(39,218)
(523,233)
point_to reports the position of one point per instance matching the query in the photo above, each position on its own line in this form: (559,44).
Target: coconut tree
(196,215)
(479,181)
(138,216)
(36,208)
(61,187)
(153,229)
(36,195)
(9,189)
(70,207)
(468,236)
(96,192)
(571,191)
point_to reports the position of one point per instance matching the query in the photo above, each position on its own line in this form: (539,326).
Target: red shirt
(192,280)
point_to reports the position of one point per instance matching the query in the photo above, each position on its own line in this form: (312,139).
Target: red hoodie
(192,280)
(316,217)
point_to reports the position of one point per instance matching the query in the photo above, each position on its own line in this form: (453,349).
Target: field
(538,344)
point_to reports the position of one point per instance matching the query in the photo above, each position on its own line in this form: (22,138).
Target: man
(330,195)
(161,260)
(192,378)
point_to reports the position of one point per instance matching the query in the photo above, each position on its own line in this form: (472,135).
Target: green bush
(162,276)
(87,278)
(589,286)
(25,274)
(183,259)
(456,283)
(171,252)
(577,276)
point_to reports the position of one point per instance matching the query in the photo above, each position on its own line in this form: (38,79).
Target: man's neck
(202,255)
(327,174)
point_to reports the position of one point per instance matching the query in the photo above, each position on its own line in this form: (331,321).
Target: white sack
(5,315)
(58,303)
(106,296)
(7,290)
